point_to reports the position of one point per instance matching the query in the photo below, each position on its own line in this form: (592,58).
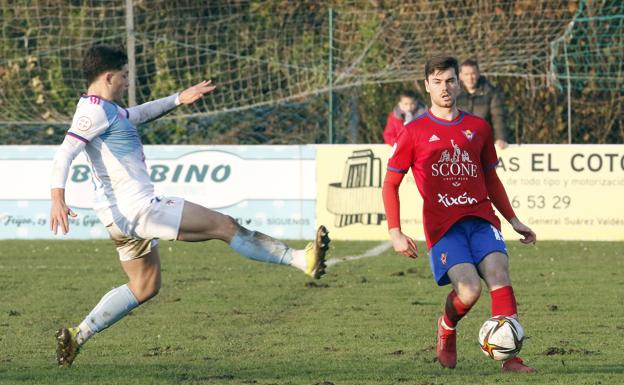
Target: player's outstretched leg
(199,223)
(261,247)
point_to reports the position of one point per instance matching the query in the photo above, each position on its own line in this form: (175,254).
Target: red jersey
(448,160)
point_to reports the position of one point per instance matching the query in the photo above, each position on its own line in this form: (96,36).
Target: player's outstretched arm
(155,109)
(196,92)
(59,211)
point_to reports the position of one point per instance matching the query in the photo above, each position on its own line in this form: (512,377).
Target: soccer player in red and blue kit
(453,160)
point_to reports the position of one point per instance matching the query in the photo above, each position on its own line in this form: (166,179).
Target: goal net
(275,62)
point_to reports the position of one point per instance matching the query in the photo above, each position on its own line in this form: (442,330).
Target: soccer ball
(501,337)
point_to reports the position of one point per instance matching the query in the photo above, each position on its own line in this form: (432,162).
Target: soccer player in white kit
(126,204)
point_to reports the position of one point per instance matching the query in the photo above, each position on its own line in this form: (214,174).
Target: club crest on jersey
(468,134)
(83,123)
(443,258)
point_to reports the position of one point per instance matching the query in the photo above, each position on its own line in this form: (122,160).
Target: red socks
(504,302)
(454,309)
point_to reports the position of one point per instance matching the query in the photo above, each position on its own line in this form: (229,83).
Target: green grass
(221,319)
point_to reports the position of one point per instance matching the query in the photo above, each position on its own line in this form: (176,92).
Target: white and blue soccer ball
(501,337)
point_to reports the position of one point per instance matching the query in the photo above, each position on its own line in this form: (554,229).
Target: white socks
(299,259)
(84,333)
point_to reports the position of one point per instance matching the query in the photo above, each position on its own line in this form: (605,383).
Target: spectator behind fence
(405,111)
(479,97)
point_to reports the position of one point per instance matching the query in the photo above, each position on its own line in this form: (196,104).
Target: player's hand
(196,92)
(59,212)
(524,230)
(403,244)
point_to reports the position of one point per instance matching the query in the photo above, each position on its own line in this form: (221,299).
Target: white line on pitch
(375,251)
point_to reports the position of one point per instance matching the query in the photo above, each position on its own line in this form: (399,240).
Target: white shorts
(159,219)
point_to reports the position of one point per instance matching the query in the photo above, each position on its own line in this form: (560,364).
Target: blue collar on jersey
(457,120)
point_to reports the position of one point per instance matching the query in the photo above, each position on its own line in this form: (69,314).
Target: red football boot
(516,365)
(446,350)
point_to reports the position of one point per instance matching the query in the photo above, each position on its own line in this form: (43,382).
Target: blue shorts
(467,241)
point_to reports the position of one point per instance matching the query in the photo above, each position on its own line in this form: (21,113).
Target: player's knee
(145,289)
(150,291)
(231,223)
(469,293)
(229,228)
(471,298)
(498,278)
(154,288)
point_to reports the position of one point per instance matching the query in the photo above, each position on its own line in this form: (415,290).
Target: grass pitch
(221,319)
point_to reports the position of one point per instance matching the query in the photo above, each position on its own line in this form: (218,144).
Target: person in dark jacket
(405,111)
(479,97)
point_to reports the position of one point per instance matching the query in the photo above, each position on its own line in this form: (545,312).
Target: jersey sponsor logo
(83,123)
(461,200)
(468,134)
(434,138)
(456,165)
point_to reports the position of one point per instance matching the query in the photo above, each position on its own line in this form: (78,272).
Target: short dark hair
(101,58)
(408,94)
(440,63)
(470,63)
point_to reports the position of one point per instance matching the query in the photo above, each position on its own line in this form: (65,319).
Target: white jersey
(115,152)
(108,135)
